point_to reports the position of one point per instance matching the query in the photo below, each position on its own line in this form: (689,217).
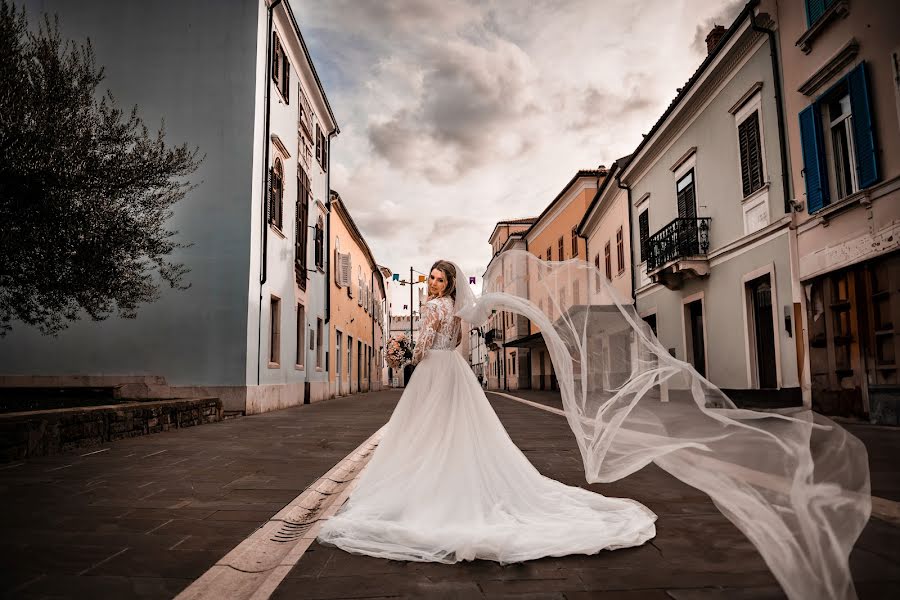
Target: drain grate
(290,531)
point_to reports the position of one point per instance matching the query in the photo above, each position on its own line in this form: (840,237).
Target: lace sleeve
(429,328)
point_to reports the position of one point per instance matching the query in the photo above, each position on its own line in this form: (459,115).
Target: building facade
(710,220)
(252,328)
(840,62)
(503,368)
(357,308)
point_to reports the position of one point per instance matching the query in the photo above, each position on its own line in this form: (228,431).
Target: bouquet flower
(399,351)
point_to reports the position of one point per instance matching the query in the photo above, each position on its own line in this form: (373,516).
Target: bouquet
(399,351)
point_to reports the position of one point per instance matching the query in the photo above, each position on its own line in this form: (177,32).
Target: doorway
(694,338)
(338,372)
(763,331)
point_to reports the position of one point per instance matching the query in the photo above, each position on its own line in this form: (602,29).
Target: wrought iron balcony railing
(681,238)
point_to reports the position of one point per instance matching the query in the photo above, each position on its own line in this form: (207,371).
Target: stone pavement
(144,517)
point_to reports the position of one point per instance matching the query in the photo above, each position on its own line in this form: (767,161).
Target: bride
(447,484)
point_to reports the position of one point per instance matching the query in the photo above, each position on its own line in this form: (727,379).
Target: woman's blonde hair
(449,271)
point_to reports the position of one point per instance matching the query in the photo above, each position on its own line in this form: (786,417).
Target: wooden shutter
(817,195)
(751,155)
(286,78)
(268,199)
(318,144)
(863,132)
(644,226)
(620,250)
(608,258)
(276,59)
(687,203)
(815,9)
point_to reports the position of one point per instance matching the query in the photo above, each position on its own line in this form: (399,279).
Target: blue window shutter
(863,132)
(813,167)
(814,10)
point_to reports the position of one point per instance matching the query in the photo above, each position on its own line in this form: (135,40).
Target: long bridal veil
(793,481)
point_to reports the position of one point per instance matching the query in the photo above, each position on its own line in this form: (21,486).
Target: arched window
(276,194)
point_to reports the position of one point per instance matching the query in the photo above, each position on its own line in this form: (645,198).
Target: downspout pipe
(627,188)
(263,271)
(327,258)
(779,108)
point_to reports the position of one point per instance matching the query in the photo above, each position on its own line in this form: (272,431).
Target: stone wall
(40,433)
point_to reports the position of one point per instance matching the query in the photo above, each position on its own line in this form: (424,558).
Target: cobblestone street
(143,518)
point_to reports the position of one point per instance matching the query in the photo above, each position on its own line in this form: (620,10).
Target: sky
(457,114)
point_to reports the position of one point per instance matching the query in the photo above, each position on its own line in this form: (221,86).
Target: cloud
(457,114)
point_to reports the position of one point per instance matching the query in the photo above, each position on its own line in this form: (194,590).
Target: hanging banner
(396,276)
(421,278)
(405,307)
(471,280)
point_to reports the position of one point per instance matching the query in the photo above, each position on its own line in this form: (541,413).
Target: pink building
(839,62)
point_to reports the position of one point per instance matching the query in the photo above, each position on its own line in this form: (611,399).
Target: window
(597,275)
(608,259)
(276,194)
(838,141)
(512,361)
(320,243)
(620,250)
(320,329)
(301,335)
(751,154)
(274,331)
(559,249)
(281,69)
(687,198)
(574,242)
(644,227)
(815,9)
(318,144)
(300,227)
(321,148)
(549,255)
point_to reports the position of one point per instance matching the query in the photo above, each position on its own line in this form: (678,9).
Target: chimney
(713,38)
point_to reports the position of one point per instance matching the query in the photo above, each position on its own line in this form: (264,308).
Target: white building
(235,79)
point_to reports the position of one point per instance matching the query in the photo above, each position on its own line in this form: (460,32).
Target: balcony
(493,338)
(678,252)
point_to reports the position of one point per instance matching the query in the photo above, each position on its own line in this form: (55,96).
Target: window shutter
(644,225)
(318,144)
(276,58)
(863,132)
(348,269)
(751,154)
(814,171)
(815,9)
(286,87)
(339,270)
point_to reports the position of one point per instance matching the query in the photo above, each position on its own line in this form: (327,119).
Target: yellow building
(357,308)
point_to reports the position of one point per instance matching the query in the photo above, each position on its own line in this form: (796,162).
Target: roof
(683,92)
(581,173)
(618,165)
(523,221)
(338,205)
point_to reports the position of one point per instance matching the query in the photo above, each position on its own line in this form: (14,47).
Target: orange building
(517,356)
(357,309)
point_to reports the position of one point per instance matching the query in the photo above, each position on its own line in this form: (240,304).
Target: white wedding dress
(447,483)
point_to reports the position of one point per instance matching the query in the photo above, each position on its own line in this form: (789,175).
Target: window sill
(756,194)
(277,230)
(299,368)
(274,365)
(839,9)
(829,212)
